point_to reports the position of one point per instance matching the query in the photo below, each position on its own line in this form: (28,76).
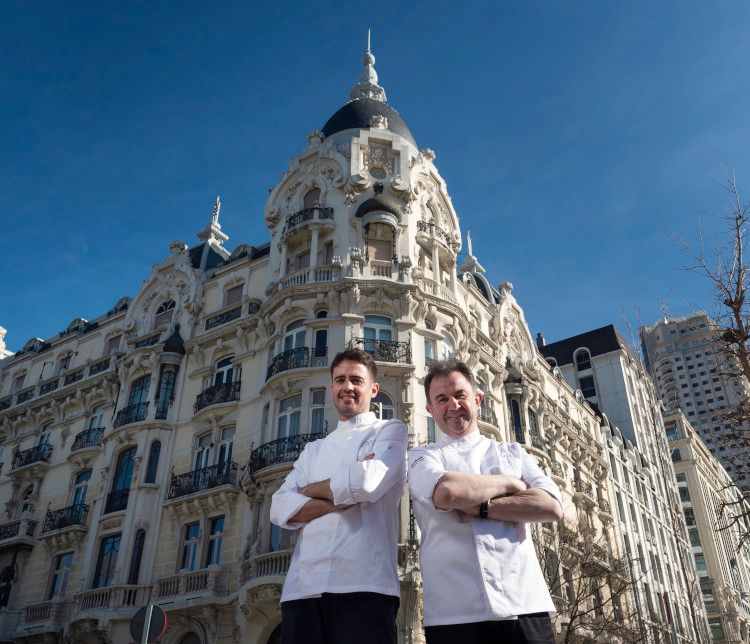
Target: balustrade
(203,479)
(223,318)
(308,214)
(385,350)
(282,450)
(270,564)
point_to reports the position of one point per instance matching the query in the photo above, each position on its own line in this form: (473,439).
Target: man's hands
(321,501)
(319,490)
(528,506)
(461,491)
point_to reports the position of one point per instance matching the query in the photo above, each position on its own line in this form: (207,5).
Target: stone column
(453,278)
(314,247)
(282,267)
(435,262)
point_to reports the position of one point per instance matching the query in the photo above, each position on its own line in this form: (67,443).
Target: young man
(472,499)
(343,495)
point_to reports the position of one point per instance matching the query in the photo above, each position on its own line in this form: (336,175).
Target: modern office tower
(600,366)
(691,374)
(142,447)
(709,502)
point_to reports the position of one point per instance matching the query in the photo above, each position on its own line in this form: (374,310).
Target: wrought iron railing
(385,350)
(487,414)
(75,376)
(37,454)
(216,394)
(98,367)
(5,404)
(203,479)
(436,231)
(131,414)
(282,450)
(48,386)
(223,318)
(24,396)
(65,517)
(307,214)
(291,359)
(117,500)
(10,530)
(148,341)
(91,437)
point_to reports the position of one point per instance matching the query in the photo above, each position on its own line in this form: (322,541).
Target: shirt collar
(470,440)
(367,418)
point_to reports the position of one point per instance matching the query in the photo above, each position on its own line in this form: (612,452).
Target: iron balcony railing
(203,479)
(117,500)
(5,404)
(91,437)
(131,414)
(37,454)
(65,517)
(223,318)
(298,359)
(385,350)
(24,396)
(225,392)
(282,450)
(47,387)
(148,341)
(75,376)
(307,214)
(436,231)
(98,367)
(10,530)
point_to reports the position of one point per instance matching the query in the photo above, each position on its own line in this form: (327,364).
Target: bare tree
(726,266)
(590,585)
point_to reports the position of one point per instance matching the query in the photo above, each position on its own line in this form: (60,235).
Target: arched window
(515,419)
(164,314)
(135,560)
(552,363)
(139,390)
(118,497)
(288,420)
(80,488)
(96,420)
(224,371)
(153,462)
(311,199)
(322,314)
(383,406)
(583,360)
(165,395)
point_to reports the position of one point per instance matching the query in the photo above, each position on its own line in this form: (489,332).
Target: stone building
(605,371)
(141,448)
(708,501)
(691,374)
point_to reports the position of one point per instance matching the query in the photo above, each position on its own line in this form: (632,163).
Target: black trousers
(332,618)
(534,628)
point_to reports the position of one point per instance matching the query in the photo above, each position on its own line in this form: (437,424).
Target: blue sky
(562,129)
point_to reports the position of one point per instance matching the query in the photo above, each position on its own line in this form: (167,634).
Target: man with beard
(473,498)
(343,495)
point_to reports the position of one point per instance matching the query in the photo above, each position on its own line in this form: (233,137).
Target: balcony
(74,376)
(125,599)
(436,231)
(226,392)
(147,340)
(88,439)
(48,386)
(298,359)
(203,479)
(25,396)
(223,318)
(32,456)
(116,500)
(257,570)
(51,612)
(282,451)
(131,414)
(437,290)
(315,275)
(188,585)
(5,404)
(487,415)
(308,214)
(17,535)
(74,516)
(98,367)
(381,268)
(385,350)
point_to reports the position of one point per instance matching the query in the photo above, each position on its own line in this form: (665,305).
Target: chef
(473,499)
(343,494)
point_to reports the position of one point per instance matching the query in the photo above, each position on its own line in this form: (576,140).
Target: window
(203,449)
(700,565)
(583,360)
(587,386)
(64,363)
(676,456)
(281,538)
(321,345)
(135,560)
(383,406)
(224,371)
(233,295)
(287,423)
(118,498)
(429,351)
(153,462)
(311,199)
(18,383)
(294,337)
(7,577)
(318,411)
(113,344)
(165,395)
(139,390)
(215,531)
(80,487)
(60,575)
(226,442)
(164,314)
(377,328)
(515,417)
(96,420)
(190,546)
(106,562)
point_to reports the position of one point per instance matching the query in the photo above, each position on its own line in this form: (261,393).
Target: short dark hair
(442,368)
(356,355)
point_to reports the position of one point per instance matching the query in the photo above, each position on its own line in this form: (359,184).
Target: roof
(381,204)
(598,342)
(357,115)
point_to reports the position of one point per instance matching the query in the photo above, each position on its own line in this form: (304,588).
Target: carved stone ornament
(379,121)
(266,593)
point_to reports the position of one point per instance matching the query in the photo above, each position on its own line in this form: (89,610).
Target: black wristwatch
(484,509)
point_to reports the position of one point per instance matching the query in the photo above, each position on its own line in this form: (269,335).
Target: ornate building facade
(141,448)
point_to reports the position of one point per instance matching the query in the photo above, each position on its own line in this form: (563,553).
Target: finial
(471,264)
(217,210)
(468,243)
(368,82)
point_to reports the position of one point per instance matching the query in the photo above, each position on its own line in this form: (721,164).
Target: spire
(212,233)
(471,264)
(368,82)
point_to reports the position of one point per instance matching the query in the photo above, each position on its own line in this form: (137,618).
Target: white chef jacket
(352,550)
(475,570)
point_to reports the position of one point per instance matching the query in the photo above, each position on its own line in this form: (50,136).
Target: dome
(357,115)
(379,203)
